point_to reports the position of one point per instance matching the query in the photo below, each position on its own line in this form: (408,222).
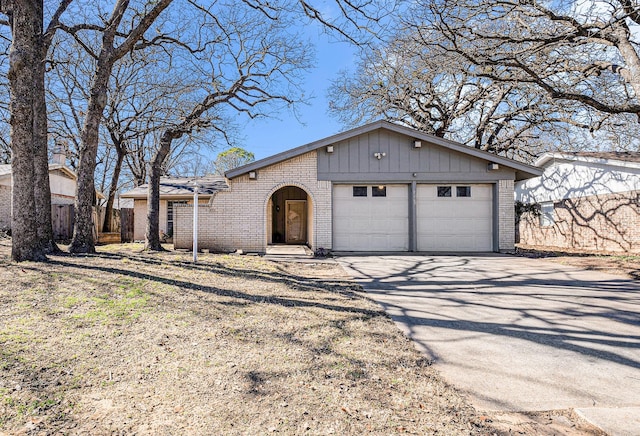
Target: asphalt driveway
(518,334)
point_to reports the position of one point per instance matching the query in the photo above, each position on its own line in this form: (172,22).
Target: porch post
(195,221)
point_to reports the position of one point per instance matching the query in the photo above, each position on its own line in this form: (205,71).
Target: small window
(463,191)
(359,191)
(547,217)
(170,209)
(444,191)
(378,191)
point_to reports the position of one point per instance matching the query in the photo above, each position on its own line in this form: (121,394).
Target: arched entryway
(289,216)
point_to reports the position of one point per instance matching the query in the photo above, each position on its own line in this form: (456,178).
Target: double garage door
(449,217)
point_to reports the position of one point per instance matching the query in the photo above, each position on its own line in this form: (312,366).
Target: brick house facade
(583,201)
(598,223)
(377,160)
(239,217)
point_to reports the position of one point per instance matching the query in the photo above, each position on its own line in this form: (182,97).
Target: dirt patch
(627,265)
(129,342)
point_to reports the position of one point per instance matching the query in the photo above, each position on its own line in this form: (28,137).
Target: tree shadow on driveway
(558,298)
(523,318)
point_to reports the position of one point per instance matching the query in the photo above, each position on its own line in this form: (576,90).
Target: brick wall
(238,218)
(506,216)
(5,207)
(139,219)
(596,223)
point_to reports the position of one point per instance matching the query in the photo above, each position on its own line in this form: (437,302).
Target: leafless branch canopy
(584,52)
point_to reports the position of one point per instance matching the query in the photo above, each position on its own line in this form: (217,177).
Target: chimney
(59,154)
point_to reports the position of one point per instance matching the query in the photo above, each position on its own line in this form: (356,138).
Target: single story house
(381,187)
(174,191)
(587,201)
(62,181)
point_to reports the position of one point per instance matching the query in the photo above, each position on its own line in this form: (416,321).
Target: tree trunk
(152,237)
(82,240)
(27,22)
(113,189)
(42,192)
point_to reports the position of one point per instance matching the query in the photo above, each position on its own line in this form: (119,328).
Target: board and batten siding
(353,160)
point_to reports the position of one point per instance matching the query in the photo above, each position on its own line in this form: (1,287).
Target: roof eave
(164,196)
(545,158)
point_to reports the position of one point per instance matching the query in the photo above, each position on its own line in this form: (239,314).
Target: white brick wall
(5,207)
(506,216)
(237,219)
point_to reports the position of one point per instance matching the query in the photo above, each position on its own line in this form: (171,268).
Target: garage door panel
(454,223)
(371,223)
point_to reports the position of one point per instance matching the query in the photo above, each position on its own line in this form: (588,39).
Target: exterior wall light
(493,166)
(417,143)
(379,155)
(329,148)
(252,175)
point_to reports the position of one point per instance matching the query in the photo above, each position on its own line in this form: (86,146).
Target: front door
(296,221)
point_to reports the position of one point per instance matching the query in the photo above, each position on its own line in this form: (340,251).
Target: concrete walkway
(293,253)
(518,334)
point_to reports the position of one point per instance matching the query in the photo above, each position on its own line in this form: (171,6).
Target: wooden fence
(62,219)
(126,224)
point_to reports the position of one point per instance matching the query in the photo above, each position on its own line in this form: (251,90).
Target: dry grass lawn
(126,342)
(627,265)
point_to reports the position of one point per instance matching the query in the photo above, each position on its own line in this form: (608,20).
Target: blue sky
(269,136)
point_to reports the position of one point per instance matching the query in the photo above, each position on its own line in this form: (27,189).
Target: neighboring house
(61,179)
(174,191)
(586,200)
(380,187)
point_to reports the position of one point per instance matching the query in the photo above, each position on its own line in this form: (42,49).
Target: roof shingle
(627,156)
(181,186)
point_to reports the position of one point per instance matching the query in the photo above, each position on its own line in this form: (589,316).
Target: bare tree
(143,96)
(42,189)
(253,65)
(26,19)
(583,52)
(32,230)
(420,81)
(115,43)
(5,145)
(124,30)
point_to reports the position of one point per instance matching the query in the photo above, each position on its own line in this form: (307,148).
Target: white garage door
(371,218)
(454,217)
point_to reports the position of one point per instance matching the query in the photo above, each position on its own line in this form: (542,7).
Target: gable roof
(629,159)
(181,187)
(523,171)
